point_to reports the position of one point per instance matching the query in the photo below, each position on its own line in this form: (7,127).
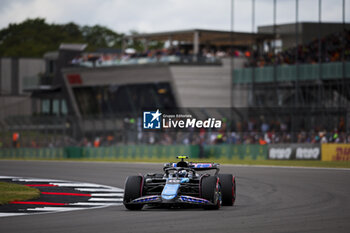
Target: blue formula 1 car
(182,183)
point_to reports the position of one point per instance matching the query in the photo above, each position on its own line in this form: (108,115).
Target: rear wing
(196,166)
(203,166)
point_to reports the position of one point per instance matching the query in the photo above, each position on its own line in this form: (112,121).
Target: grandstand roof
(213,37)
(75,47)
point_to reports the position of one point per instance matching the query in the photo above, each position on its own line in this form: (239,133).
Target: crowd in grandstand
(270,136)
(248,132)
(172,54)
(331,51)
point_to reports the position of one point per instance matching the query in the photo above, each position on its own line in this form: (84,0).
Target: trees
(101,37)
(140,47)
(34,37)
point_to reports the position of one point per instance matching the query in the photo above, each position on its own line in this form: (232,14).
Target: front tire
(133,189)
(210,190)
(228,189)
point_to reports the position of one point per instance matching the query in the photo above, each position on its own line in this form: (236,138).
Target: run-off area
(59,195)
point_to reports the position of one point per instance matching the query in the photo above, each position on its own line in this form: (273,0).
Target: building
(14,73)
(304,32)
(93,93)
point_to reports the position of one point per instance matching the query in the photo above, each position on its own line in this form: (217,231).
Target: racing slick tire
(210,190)
(133,189)
(228,189)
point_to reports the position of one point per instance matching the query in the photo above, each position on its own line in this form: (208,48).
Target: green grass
(16,192)
(297,163)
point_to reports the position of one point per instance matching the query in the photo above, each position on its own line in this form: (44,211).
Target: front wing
(182,199)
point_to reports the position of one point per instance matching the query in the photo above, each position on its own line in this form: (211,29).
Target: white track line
(114,190)
(37,180)
(9,177)
(106,199)
(12,214)
(54,209)
(161,164)
(94,204)
(288,167)
(77,185)
(106,194)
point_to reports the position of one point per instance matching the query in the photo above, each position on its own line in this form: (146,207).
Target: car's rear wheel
(210,190)
(133,189)
(228,189)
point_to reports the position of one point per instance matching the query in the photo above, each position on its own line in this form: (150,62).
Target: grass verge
(16,192)
(292,163)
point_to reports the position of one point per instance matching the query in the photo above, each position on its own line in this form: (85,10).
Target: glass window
(64,109)
(56,107)
(123,99)
(45,106)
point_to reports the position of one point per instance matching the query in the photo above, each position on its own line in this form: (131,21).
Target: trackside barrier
(73,152)
(294,151)
(33,153)
(139,152)
(241,152)
(336,152)
(249,152)
(252,152)
(115,152)
(328,152)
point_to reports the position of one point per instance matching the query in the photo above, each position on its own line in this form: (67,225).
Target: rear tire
(133,189)
(228,189)
(210,190)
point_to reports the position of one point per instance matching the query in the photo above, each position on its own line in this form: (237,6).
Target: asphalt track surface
(268,200)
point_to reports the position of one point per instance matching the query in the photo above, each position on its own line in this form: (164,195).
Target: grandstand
(261,91)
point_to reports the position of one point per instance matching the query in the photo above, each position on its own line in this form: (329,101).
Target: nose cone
(170,191)
(168,197)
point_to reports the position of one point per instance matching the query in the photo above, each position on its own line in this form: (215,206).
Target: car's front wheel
(133,189)
(228,189)
(210,190)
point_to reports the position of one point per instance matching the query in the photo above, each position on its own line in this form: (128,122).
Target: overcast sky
(166,15)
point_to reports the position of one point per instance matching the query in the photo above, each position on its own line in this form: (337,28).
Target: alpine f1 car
(182,183)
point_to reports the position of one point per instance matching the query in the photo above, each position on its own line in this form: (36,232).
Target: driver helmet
(182,173)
